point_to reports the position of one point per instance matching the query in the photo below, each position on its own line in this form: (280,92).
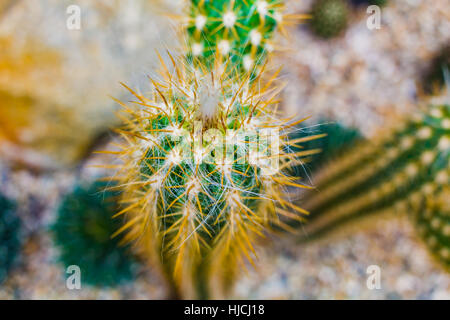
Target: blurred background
(56,108)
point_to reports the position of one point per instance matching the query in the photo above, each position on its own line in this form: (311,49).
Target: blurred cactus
(431,215)
(236,32)
(329,17)
(331,138)
(82,231)
(204,166)
(9,236)
(438,73)
(383,176)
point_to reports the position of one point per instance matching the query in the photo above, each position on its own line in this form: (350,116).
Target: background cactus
(82,232)
(431,216)
(329,17)
(333,139)
(438,73)
(394,172)
(238,32)
(9,236)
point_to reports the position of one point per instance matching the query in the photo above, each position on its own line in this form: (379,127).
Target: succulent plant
(332,138)
(205,170)
(9,236)
(237,32)
(438,74)
(329,17)
(82,232)
(400,168)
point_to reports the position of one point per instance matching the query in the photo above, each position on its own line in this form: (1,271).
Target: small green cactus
(82,232)
(237,32)
(329,17)
(331,138)
(9,237)
(386,175)
(201,176)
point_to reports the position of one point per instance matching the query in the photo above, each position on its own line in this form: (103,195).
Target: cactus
(380,3)
(9,237)
(398,169)
(329,17)
(338,139)
(238,32)
(438,74)
(197,179)
(82,232)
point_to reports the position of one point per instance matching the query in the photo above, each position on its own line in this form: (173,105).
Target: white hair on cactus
(200,22)
(255,37)
(229,19)
(208,98)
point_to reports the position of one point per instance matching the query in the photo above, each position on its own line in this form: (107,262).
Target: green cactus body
(431,215)
(237,32)
(329,17)
(9,237)
(83,231)
(381,176)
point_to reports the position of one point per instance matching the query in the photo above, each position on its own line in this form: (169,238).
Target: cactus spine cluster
(206,159)
(402,169)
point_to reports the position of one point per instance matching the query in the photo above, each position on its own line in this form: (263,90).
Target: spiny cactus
(205,170)
(82,232)
(329,17)
(335,139)
(380,3)
(403,165)
(9,236)
(238,32)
